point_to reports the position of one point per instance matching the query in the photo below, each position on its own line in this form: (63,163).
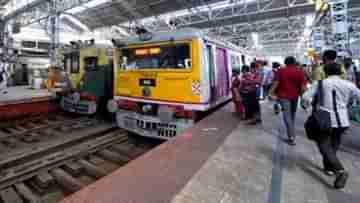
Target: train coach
(164,82)
(90,70)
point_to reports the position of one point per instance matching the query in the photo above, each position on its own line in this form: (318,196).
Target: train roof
(179,34)
(69,48)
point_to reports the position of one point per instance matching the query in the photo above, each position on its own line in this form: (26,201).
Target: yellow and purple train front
(161,85)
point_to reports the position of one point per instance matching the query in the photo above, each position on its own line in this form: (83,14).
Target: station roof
(270,23)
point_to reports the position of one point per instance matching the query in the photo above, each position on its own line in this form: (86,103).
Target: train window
(44,45)
(175,56)
(235,62)
(28,44)
(91,63)
(75,66)
(67,63)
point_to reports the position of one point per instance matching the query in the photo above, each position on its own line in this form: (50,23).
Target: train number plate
(147,82)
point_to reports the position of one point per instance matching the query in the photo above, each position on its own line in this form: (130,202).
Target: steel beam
(24,9)
(39,10)
(259,15)
(255,16)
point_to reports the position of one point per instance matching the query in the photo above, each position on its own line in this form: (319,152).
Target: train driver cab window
(173,56)
(91,63)
(75,66)
(67,63)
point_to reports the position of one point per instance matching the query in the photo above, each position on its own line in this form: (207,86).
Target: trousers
(328,145)
(251,104)
(289,108)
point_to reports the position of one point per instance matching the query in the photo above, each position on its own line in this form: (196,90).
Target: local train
(164,82)
(32,61)
(89,67)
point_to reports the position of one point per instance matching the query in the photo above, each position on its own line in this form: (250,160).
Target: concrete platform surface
(256,165)
(23,94)
(222,160)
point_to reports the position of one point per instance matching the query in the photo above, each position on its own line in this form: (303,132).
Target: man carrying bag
(319,122)
(329,119)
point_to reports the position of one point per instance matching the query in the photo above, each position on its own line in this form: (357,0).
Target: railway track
(47,158)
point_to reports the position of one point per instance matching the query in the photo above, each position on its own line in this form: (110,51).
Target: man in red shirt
(288,85)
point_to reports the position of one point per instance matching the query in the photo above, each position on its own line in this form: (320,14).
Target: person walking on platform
(307,74)
(288,84)
(329,57)
(249,83)
(267,79)
(351,70)
(275,67)
(335,95)
(235,89)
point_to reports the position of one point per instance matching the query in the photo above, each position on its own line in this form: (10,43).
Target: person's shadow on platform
(301,162)
(313,170)
(333,195)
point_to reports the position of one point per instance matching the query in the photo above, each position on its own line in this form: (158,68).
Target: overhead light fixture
(89,5)
(121,31)
(309,19)
(76,21)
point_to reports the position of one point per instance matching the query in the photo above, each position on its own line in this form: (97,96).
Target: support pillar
(318,40)
(54,33)
(2,38)
(340,27)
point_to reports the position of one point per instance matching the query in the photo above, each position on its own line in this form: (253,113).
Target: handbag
(319,122)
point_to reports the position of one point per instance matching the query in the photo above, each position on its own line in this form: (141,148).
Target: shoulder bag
(319,122)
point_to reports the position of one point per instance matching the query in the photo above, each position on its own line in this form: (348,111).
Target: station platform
(20,100)
(222,160)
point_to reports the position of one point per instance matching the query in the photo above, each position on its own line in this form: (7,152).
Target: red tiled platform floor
(20,101)
(13,111)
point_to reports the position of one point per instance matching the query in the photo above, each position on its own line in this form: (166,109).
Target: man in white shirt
(329,142)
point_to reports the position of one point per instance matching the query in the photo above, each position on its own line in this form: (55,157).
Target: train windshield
(71,63)
(174,56)
(91,63)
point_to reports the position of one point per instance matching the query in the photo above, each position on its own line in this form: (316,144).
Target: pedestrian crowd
(326,89)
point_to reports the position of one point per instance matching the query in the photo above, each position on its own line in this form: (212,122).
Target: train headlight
(112,106)
(147,108)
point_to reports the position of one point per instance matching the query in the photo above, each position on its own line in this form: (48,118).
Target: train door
(211,62)
(67,63)
(25,74)
(243,60)
(222,88)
